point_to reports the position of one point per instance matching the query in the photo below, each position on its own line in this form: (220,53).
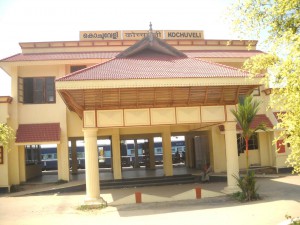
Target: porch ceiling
(79,100)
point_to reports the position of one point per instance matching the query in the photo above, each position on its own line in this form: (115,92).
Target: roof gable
(151,42)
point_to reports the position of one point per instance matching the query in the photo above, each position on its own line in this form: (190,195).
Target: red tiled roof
(258,119)
(222,54)
(152,65)
(35,133)
(110,55)
(60,56)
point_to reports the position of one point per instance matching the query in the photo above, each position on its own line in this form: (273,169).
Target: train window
(80,155)
(180,149)
(158,150)
(107,154)
(132,152)
(140,151)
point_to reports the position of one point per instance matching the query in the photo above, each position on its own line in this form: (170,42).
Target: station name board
(140,34)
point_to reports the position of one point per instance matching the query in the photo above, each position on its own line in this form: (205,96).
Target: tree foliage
(6,135)
(277,23)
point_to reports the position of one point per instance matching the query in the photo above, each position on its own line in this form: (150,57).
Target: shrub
(247,184)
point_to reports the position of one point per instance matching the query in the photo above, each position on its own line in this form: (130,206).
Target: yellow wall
(4,112)
(4,177)
(254,159)
(74,124)
(218,147)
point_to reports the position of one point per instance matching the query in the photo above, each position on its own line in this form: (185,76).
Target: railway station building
(129,85)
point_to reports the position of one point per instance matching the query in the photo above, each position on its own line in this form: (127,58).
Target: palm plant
(244,115)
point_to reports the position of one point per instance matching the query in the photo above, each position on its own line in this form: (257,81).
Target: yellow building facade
(133,85)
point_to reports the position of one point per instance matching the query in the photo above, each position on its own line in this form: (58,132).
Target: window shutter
(20,90)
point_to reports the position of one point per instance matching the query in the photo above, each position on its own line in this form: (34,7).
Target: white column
(167,151)
(91,164)
(232,159)
(116,156)
(63,160)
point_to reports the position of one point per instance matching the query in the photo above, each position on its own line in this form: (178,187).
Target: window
(33,154)
(76,68)
(253,143)
(36,90)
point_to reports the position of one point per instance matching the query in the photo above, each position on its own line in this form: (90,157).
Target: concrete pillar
(116,154)
(91,164)
(74,157)
(167,151)
(189,160)
(232,159)
(22,163)
(63,147)
(63,160)
(151,153)
(136,154)
(12,121)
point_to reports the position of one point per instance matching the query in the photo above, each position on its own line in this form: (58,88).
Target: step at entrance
(128,183)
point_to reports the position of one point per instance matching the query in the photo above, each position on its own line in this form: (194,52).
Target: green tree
(244,115)
(6,135)
(277,24)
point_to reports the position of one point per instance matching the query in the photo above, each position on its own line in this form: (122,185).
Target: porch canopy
(153,74)
(41,133)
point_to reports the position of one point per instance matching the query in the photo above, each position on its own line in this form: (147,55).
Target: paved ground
(178,205)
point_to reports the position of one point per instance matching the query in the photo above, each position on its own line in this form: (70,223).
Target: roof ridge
(154,43)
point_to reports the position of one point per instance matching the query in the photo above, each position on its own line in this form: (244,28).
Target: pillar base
(231,189)
(94,202)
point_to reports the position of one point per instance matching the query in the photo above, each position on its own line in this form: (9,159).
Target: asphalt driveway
(280,197)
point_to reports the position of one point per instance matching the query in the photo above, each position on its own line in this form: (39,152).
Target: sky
(61,20)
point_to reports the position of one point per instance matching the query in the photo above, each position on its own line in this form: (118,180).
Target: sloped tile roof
(110,55)
(222,53)
(36,133)
(152,65)
(60,56)
(258,119)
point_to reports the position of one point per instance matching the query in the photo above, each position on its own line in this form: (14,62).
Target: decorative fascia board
(51,62)
(141,83)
